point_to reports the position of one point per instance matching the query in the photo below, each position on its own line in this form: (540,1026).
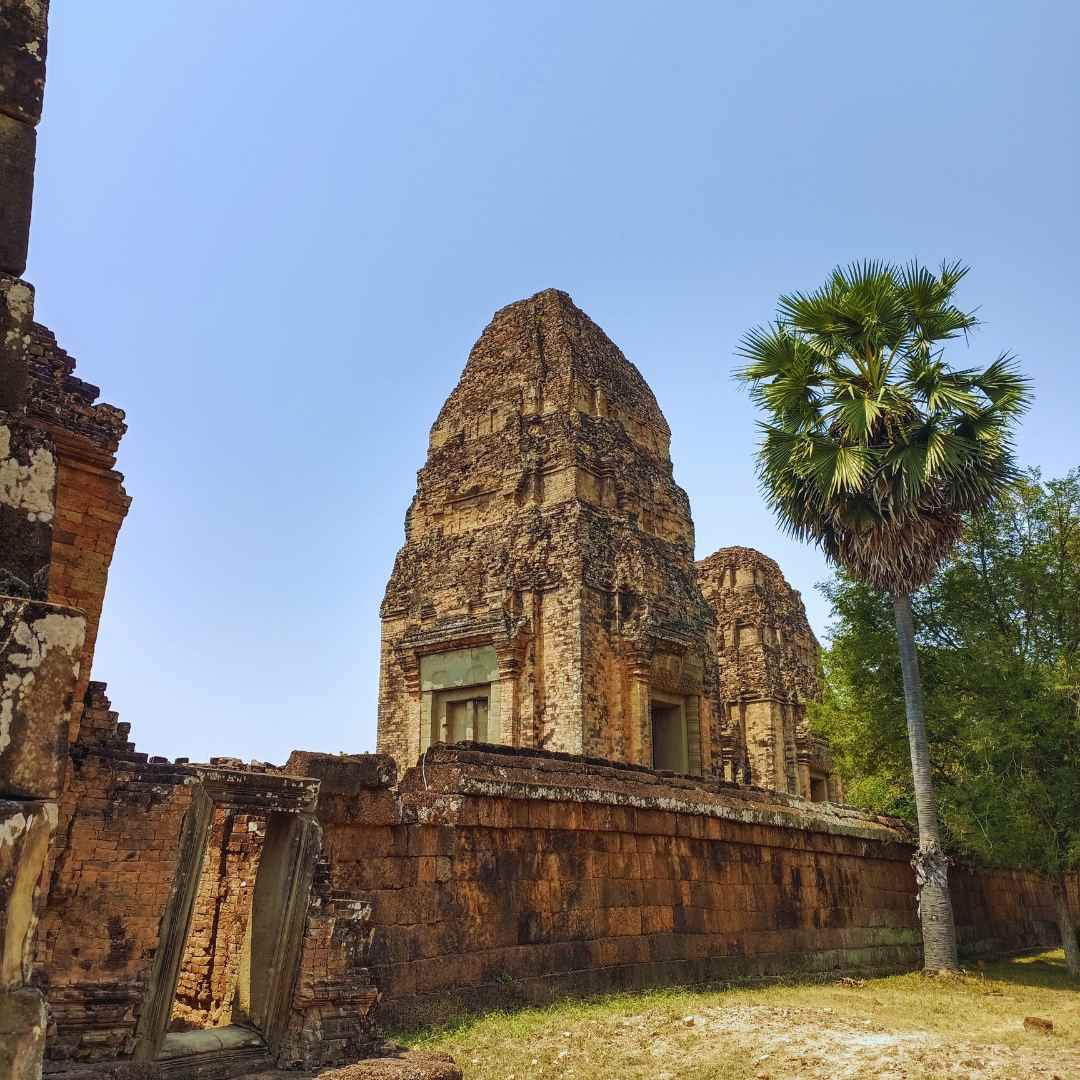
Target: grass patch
(925,1027)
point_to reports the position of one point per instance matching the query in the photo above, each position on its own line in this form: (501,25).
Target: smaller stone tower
(768,659)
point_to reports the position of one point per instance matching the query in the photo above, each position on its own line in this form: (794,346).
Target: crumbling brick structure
(206,994)
(41,643)
(502,876)
(545,595)
(91,503)
(192,897)
(769,664)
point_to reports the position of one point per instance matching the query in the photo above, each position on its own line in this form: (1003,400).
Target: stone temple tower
(546,593)
(768,661)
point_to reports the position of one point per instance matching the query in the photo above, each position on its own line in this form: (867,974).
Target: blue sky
(270,232)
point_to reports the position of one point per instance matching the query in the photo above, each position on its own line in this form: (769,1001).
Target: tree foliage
(999,647)
(874,447)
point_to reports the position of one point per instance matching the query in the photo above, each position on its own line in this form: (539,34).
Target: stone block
(16,320)
(23,45)
(22,1034)
(343,774)
(18,149)
(39,664)
(25,831)
(395,1063)
(27,491)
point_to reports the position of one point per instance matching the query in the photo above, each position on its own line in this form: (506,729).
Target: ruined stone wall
(113,868)
(41,642)
(210,969)
(1002,911)
(547,527)
(496,877)
(489,876)
(90,499)
(768,660)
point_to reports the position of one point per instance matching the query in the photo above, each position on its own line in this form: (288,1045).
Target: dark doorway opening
(669,736)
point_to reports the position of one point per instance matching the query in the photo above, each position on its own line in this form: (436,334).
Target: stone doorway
(669,741)
(218,999)
(213,989)
(461,715)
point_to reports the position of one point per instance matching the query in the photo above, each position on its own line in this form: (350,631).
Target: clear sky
(270,232)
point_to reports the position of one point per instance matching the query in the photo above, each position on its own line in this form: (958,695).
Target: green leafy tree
(999,635)
(875,449)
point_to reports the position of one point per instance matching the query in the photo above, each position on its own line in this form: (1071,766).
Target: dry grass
(905,1027)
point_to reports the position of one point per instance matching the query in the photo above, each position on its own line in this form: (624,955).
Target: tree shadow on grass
(1045,971)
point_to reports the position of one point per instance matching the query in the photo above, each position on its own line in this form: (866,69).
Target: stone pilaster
(507,722)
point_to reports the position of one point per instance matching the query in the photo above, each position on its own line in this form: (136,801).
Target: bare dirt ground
(906,1027)
(817,1044)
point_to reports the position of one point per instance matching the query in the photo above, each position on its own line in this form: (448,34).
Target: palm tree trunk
(930,862)
(1066,926)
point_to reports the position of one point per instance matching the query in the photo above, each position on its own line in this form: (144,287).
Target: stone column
(40,643)
(40,649)
(805,789)
(791,753)
(23,39)
(640,720)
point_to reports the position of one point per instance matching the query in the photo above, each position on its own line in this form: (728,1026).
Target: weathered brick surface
(488,876)
(547,525)
(90,499)
(26,827)
(113,870)
(769,662)
(22,1034)
(23,48)
(548,530)
(16,317)
(27,509)
(40,646)
(496,877)
(18,151)
(206,988)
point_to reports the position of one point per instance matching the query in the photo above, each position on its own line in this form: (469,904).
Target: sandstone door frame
(279,903)
(662,701)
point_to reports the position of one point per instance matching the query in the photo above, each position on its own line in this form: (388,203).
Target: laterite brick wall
(497,876)
(487,876)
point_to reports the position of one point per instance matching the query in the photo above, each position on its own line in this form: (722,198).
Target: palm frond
(875,448)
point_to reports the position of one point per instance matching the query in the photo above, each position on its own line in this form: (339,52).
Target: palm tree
(875,449)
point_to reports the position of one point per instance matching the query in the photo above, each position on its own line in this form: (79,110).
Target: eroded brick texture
(113,870)
(548,564)
(333,1006)
(487,877)
(546,595)
(498,877)
(206,989)
(769,662)
(90,499)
